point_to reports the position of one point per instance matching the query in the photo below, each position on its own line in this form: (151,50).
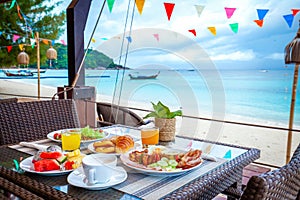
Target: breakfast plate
(77,178)
(27,166)
(158,171)
(51,135)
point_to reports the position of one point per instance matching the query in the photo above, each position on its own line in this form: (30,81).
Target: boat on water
(137,76)
(21,72)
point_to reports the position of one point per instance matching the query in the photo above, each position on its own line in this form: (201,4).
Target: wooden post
(292,110)
(38,63)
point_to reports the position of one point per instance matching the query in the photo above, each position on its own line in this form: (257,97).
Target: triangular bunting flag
(23,39)
(32,42)
(234,27)
(8,37)
(9,48)
(212,30)
(53,42)
(199,9)
(12,5)
(259,22)
(19,14)
(0,33)
(21,47)
(169,9)
(295,11)
(110,4)
(104,38)
(45,41)
(93,40)
(156,35)
(129,39)
(227,155)
(140,5)
(229,12)
(289,19)
(63,42)
(262,13)
(193,31)
(15,37)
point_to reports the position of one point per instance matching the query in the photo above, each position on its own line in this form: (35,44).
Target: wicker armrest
(16,190)
(233,193)
(40,189)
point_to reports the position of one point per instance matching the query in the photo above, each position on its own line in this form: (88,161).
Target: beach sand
(271,142)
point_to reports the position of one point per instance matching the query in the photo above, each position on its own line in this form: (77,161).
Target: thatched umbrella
(292,55)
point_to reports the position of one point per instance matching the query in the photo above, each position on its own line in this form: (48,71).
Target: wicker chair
(282,183)
(9,100)
(110,114)
(27,121)
(11,188)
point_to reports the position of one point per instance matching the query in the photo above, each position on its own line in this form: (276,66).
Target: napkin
(33,145)
(208,157)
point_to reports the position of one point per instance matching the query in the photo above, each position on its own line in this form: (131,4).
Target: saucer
(76,178)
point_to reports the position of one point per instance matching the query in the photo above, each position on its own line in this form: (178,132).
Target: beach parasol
(292,55)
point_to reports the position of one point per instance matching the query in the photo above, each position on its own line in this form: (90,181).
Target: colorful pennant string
(169,9)
(289,19)
(11,5)
(140,5)
(9,48)
(199,9)
(193,31)
(262,13)
(21,47)
(129,39)
(229,12)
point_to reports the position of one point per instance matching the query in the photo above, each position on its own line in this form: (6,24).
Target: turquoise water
(248,95)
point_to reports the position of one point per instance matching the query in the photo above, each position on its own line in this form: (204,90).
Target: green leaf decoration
(162,111)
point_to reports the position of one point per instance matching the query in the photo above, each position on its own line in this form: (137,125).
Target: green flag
(110,4)
(234,27)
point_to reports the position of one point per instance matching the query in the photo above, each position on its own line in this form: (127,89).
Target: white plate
(51,135)
(27,166)
(142,169)
(77,178)
(92,149)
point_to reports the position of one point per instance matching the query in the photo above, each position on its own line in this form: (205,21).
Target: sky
(252,46)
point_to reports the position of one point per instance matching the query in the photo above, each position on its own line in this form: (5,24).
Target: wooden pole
(38,64)
(292,109)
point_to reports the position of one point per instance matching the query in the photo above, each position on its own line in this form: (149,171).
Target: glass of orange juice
(70,140)
(150,136)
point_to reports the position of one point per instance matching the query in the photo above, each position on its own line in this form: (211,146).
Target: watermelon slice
(46,165)
(50,155)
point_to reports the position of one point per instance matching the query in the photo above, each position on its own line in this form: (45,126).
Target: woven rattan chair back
(110,114)
(9,100)
(27,121)
(296,153)
(282,183)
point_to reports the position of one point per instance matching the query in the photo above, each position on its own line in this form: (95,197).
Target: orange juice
(150,136)
(70,141)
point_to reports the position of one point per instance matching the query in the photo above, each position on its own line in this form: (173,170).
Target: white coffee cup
(99,168)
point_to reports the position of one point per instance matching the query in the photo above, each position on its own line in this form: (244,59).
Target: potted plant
(165,120)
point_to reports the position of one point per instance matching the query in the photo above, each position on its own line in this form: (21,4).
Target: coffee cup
(99,168)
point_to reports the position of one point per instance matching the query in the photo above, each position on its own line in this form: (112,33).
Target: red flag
(9,48)
(295,11)
(169,9)
(259,22)
(19,14)
(193,31)
(156,35)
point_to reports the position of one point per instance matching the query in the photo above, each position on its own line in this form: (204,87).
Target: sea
(257,96)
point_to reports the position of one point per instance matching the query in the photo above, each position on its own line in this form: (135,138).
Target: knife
(33,145)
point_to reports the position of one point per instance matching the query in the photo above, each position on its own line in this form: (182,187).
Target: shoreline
(271,142)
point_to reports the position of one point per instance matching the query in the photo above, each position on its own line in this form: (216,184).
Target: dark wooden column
(77,13)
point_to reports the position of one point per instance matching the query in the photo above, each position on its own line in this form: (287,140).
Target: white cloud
(276,56)
(235,56)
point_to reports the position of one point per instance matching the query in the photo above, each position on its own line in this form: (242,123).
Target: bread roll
(105,149)
(103,143)
(124,143)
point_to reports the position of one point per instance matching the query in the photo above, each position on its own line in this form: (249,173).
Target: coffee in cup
(99,168)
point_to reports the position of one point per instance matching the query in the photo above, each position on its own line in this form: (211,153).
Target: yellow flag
(45,41)
(213,30)
(93,40)
(21,46)
(140,5)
